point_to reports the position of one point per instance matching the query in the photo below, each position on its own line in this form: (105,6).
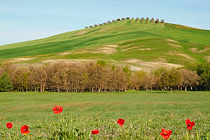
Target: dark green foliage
(101,62)
(127,70)
(5,83)
(157,20)
(203,70)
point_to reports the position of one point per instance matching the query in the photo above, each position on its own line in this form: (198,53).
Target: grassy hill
(141,45)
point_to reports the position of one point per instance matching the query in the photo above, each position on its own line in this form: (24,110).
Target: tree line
(101,77)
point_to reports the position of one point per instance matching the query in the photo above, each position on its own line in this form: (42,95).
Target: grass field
(145,114)
(150,42)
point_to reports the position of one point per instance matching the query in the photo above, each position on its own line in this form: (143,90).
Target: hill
(140,45)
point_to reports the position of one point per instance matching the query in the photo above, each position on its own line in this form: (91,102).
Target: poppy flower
(24,129)
(189,124)
(166,133)
(95,131)
(57,109)
(121,122)
(9,125)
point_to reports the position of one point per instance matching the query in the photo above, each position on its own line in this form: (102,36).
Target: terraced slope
(141,45)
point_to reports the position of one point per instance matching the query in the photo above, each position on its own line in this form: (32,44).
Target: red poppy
(95,131)
(24,129)
(9,125)
(121,122)
(57,109)
(165,133)
(189,124)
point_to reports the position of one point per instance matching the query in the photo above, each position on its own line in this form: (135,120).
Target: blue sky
(23,20)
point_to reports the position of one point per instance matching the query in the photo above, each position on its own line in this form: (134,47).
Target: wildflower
(24,129)
(57,109)
(166,133)
(95,131)
(9,125)
(189,124)
(121,122)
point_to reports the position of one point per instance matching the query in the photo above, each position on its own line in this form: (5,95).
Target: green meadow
(145,114)
(116,43)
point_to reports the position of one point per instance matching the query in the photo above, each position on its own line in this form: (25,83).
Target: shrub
(152,20)
(137,19)
(142,19)
(157,20)
(5,83)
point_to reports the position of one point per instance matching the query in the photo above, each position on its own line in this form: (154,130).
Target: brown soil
(174,45)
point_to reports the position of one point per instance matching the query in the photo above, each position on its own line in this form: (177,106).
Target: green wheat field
(145,114)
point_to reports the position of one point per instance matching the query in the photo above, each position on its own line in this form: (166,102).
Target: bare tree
(190,78)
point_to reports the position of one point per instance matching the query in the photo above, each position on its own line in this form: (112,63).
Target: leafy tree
(7,67)
(5,83)
(203,70)
(190,78)
(142,77)
(101,62)
(171,78)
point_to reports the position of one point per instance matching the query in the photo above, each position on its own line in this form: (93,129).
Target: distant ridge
(128,18)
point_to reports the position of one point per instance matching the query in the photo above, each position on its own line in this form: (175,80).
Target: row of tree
(100,77)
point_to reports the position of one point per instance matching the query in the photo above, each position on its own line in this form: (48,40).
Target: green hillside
(141,45)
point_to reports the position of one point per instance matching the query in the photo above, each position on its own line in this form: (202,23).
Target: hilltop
(142,45)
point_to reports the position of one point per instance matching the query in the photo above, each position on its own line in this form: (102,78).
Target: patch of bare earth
(151,65)
(130,48)
(81,33)
(183,55)
(145,49)
(207,58)
(108,49)
(186,56)
(193,49)
(21,59)
(174,45)
(170,40)
(66,53)
(204,50)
